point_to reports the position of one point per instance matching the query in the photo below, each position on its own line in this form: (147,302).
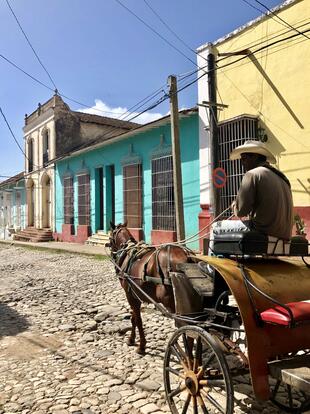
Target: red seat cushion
(280,316)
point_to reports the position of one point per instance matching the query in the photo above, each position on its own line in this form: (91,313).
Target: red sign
(219,177)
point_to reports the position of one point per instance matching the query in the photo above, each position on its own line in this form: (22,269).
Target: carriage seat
(255,243)
(278,315)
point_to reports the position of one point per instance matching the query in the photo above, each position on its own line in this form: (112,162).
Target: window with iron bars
(68,200)
(132,188)
(83,199)
(163,208)
(232,133)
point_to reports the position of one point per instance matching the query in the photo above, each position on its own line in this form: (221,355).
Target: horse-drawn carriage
(244,310)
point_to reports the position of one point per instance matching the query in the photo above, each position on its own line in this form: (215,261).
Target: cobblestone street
(62,340)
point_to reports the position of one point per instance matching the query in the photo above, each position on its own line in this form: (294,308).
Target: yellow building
(263,76)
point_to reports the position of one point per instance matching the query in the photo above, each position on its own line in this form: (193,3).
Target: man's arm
(245,199)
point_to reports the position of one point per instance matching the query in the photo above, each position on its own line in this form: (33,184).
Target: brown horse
(149,268)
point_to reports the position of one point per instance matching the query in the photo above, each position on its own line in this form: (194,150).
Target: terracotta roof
(13,179)
(103,120)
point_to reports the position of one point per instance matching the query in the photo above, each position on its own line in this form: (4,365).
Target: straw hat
(253,147)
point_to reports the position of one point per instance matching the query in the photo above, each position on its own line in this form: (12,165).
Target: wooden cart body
(286,280)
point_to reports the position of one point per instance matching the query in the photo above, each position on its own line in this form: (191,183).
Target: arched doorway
(46,202)
(30,202)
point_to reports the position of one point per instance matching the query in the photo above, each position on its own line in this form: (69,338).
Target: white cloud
(100,108)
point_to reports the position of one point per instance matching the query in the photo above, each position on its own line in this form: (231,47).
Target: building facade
(129,178)
(263,90)
(12,206)
(49,132)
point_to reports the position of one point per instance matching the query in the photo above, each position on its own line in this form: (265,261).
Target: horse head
(119,236)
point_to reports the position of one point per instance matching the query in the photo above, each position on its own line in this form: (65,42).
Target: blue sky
(99,54)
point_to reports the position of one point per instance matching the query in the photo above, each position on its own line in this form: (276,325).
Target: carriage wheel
(196,374)
(289,399)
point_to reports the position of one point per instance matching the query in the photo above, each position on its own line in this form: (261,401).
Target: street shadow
(11,322)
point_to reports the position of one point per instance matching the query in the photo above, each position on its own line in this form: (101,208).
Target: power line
(29,43)
(70,99)
(12,133)
(180,89)
(142,102)
(51,89)
(14,137)
(253,7)
(26,73)
(156,32)
(246,46)
(149,108)
(280,18)
(267,39)
(174,33)
(243,57)
(264,13)
(166,96)
(64,96)
(168,27)
(162,99)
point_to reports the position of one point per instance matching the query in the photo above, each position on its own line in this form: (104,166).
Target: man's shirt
(267,199)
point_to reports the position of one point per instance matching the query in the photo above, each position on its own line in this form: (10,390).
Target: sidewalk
(62,246)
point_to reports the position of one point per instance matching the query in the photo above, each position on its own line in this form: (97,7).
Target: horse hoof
(130,342)
(140,351)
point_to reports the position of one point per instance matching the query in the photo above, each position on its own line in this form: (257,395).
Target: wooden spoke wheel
(290,400)
(291,391)
(196,374)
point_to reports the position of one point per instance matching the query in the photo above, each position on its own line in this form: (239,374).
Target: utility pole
(214,145)
(176,159)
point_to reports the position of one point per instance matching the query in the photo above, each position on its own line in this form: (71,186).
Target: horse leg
(136,321)
(131,340)
(142,344)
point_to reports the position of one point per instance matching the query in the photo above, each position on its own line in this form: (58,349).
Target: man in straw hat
(264,195)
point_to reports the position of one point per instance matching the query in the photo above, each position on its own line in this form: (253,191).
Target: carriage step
(294,371)
(200,282)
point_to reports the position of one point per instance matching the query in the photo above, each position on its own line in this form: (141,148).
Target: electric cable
(292,36)
(12,133)
(29,43)
(38,167)
(156,32)
(169,28)
(142,102)
(49,88)
(189,83)
(280,18)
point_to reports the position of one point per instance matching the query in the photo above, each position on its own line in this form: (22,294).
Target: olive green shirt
(267,199)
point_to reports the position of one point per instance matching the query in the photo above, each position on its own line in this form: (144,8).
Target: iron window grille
(84,199)
(68,200)
(232,133)
(163,207)
(132,188)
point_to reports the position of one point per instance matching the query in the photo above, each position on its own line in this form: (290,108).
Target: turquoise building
(129,178)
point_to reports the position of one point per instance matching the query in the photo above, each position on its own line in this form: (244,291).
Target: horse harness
(136,251)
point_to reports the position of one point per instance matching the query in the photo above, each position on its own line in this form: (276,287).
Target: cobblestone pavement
(62,341)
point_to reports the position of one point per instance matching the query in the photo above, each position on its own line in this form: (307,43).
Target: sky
(102,56)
